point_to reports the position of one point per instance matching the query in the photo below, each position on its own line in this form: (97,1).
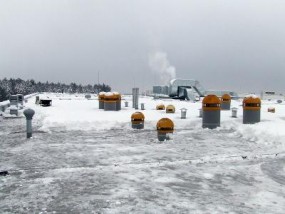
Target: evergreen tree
(18,86)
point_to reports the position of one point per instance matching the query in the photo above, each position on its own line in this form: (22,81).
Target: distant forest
(18,86)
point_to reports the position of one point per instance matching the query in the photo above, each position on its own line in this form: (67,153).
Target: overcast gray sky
(225,44)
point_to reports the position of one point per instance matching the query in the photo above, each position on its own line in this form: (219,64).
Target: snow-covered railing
(30,95)
(6,103)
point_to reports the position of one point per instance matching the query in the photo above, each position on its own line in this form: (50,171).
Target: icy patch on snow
(208,176)
(46,181)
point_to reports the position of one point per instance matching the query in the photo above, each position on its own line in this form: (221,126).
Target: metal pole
(133,93)
(98,91)
(137,99)
(29,129)
(29,113)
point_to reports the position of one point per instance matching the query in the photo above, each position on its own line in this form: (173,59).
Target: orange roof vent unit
(137,116)
(211,111)
(251,109)
(165,125)
(170,109)
(110,96)
(110,102)
(226,98)
(160,107)
(118,97)
(226,102)
(211,103)
(101,97)
(137,120)
(252,103)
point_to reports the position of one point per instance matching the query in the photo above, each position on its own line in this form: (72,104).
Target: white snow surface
(108,94)
(85,160)
(102,93)
(77,113)
(251,95)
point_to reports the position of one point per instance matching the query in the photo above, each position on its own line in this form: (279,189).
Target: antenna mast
(98,78)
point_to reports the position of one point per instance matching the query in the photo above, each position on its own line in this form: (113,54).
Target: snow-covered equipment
(211,106)
(142,106)
(160,107)
(126,104)
(118,100)
(14,110)
(37,100)
(29,113)
(101,100)
(88,96)
(110,101)
(183,113)
(271,110)
(226,102)
(170,109)
(3,108)
(155,97)
(4,173)
(14,100)
(164,126)
(137,120)
(160,90)
(251,109)
(187,89)
(45,102)
(135,98)
(234,112)
(21,99)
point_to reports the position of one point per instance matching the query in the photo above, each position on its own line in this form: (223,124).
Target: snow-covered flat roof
(83,160)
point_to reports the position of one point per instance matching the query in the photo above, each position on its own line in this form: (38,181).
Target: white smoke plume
(159,63)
